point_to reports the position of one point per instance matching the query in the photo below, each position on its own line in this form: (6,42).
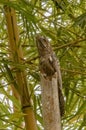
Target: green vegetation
(65,27)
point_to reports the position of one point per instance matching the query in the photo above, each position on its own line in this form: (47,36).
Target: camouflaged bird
(49,65)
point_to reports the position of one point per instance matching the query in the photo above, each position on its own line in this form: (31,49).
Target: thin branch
(73,71)
(70,44)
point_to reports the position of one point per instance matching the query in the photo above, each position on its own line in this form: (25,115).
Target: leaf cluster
(66,30)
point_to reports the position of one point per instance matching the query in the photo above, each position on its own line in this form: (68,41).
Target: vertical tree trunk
(16,56)
(50,103)
(51,83)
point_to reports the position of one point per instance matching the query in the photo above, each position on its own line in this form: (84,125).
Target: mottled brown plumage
(49,65)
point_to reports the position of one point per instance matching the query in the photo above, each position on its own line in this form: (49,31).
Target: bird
(49,65)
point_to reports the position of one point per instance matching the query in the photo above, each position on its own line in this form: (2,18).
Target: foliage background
(64,24)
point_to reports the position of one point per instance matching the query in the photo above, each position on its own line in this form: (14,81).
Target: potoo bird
(49,65)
